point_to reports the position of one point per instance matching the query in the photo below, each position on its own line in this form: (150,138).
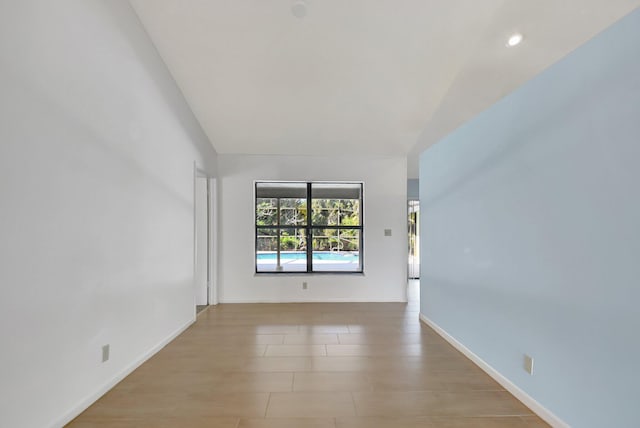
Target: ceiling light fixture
(515,39)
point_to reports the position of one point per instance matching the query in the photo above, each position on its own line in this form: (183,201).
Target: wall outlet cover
(528,364)
(105,353)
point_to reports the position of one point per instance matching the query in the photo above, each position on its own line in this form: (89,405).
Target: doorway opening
(413,222)
(204,241)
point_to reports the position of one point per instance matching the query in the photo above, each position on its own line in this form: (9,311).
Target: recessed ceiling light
(515,39)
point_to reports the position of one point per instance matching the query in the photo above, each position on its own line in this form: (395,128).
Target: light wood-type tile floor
(309,365)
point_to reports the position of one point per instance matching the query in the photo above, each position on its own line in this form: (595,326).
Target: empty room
(319,213)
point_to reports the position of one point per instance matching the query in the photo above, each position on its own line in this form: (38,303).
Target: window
(308,227)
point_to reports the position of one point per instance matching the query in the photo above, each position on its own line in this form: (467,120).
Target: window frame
(309,227)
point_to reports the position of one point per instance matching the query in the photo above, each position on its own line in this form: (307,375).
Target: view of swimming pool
(296,261)
(343,256)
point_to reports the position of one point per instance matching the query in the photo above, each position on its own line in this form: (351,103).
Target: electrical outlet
(105,353)
(304,285)
(528,364)
(387,232)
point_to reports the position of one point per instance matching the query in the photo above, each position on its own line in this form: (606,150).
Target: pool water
(335,256)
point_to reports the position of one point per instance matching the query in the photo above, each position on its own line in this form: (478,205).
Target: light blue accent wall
(531,232)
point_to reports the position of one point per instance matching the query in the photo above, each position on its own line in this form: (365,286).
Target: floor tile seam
(504,415)
(439,416)
(266,409)
(525,422)
(467,391)
(353,402)
(449,389)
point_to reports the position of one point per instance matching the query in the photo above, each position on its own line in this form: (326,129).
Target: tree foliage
(293,212)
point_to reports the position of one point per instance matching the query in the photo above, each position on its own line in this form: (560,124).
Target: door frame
(210,236)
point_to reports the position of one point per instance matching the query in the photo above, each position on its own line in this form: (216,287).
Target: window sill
(306,274)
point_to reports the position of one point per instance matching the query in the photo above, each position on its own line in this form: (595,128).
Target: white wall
(96,204)
(385,258)
(531,233)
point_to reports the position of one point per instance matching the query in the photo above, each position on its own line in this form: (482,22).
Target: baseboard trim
(345,300)
(103,389)
(525,398)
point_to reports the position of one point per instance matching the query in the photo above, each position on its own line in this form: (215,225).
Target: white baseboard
(88,401)
(525,398)
(302,300)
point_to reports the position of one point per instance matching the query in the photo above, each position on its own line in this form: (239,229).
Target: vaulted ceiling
(383,77)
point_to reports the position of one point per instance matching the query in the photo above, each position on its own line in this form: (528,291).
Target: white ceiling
(381,77)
